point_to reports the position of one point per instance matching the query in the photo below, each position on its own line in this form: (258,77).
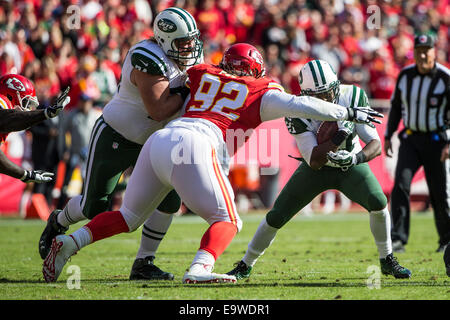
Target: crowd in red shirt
(367,42)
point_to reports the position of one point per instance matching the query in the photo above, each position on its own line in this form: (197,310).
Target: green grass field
(322,257)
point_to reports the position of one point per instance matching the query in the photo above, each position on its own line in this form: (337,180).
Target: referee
(421,98)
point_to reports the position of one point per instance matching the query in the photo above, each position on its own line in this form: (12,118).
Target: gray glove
(62,101)
(37,176)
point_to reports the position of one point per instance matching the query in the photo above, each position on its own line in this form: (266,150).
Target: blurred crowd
(82,43)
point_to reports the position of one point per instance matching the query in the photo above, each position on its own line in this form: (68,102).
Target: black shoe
(52,229)
(390,266)
(441,248)
(241,271)
(447,259)
(398,246)
(144,269)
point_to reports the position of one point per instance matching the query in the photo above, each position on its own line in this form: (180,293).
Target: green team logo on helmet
(165,25)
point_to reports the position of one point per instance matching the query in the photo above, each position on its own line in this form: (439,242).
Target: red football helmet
(243,59)
(19,90)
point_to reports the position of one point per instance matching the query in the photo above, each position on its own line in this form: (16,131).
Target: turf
(321,257)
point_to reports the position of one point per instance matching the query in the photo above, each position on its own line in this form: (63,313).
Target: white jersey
(305,130)
(126,112)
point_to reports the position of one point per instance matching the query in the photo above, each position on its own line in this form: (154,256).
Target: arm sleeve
(276,104)
(10,168)
(16,120)
(395,113)
(306,142)
(366,133)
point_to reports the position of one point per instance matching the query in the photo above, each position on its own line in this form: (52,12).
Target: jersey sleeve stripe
(182,15)
(151,55)
(274,85)
(3,104)
(357,96)
(146,63)
(363,101)
(353,97)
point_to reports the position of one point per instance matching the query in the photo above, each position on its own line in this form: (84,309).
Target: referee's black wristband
(339,137)
(360,157)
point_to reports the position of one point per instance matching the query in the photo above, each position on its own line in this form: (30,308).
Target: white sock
(71,213)
(153,231)
(82,237)
(262,239)
(380,225)
(204,257)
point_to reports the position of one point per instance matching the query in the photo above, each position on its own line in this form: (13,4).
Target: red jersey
(228,101)
(4,104)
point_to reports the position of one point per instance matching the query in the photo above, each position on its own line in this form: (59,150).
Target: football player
(150,93)
(190,155)
(18,102)
(339,163)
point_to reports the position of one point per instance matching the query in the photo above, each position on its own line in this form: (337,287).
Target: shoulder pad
(146,61)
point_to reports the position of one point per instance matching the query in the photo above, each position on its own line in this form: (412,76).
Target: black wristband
(339,137)
(360,157)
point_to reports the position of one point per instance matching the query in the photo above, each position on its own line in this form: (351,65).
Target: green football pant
(358,183)
(110,154)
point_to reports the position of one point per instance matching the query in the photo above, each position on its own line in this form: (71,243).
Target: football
(326,131)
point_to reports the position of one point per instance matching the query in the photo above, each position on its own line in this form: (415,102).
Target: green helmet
(318,79)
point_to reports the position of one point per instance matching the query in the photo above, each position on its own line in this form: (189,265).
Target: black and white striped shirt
(422,101)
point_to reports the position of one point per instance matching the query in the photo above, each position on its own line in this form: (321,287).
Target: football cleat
(241,270)
(63,247)
(390,266)
(201,273)
(144,269)
(52,229)
(447,259)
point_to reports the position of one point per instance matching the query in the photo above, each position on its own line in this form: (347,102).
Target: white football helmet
(176,32)
(318,79)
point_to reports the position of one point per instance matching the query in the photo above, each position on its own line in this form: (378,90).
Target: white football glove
(343,159)
(37,176)
(62,101)
(364,115)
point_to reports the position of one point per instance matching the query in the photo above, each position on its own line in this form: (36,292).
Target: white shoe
(201,273)
(63,247)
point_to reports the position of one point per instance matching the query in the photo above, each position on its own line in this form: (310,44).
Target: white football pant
(183,159)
